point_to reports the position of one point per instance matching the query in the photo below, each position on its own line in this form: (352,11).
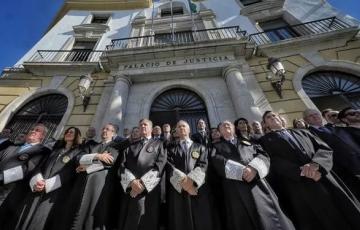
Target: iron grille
(333,85)
(48,109)
(178,104)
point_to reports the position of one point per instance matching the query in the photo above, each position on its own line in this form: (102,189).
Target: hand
(309,170)
(186,183)
(39,186)
(105,157)
(192,191)
(317,176)
(249,173)
(136,188)
(81,168)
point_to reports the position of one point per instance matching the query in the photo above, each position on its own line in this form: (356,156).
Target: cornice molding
(93,30)
(100,5)
(263,9)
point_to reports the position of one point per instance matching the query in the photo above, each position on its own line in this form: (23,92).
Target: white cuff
(34,180)
(234,170)
(176,178)
(126,178)
(260,167)
(198,176)
(13,174)
(52,183)
(150,180)
(87,159)
(94,168)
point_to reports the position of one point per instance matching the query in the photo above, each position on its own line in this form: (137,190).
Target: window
(100,19)
(81,51)
(175,11)
(249,2)
(277,29)
(178,104)
(332,89)
(48,109)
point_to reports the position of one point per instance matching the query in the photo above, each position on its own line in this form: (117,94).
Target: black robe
(5,144)
(28,159)
(201,139)
(326,204)
(145,161)
(354,132)
(93,193)
(41,210)
(248,205)
(88,145)
(186,211)
(346,155)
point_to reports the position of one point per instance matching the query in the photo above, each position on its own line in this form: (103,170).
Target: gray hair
(307,112)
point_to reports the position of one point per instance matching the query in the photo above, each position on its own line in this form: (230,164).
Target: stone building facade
(170,60)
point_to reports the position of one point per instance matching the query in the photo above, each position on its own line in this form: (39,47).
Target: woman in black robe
(301,166)
(50,186)
(250,202)
(188,194)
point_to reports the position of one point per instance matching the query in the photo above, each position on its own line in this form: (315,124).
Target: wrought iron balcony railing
(178,38)
(293,31)
(66,56)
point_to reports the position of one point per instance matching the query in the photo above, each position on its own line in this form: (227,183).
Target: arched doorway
(332,89)
(178,104)
(48,109)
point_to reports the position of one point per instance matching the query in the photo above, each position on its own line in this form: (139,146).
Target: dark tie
(288,136)
(184,146)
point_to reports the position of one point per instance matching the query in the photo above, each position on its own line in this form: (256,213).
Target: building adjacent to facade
(181,59)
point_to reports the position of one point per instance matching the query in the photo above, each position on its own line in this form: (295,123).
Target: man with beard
(140,170)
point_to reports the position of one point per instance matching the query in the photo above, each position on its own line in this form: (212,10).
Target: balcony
(208,41)
(314,32)
(57,61)
(178,38)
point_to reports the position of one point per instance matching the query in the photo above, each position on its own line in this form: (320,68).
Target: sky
(23,22)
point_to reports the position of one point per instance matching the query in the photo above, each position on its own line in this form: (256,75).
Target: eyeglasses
(352,113)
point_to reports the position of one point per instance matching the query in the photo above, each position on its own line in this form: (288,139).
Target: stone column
(241,97)
(117,101)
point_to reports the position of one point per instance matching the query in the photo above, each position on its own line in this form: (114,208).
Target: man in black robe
(140,171)
(188,195)
(16,164)
(346,155)
(93,198)
(201,136)
(89,141)
(250,203)
(351,117)
(301,165)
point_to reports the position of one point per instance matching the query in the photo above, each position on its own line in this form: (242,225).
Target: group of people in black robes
(230,179)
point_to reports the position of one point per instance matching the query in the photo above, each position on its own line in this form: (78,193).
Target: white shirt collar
(187,140)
